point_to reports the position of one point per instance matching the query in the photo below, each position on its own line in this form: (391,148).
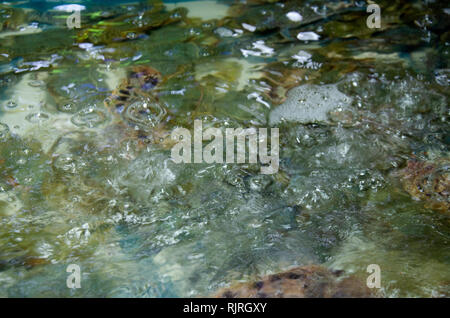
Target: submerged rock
(301,282)
(428,181)
(129,26)
(232,72)
(140,80)
(134,105)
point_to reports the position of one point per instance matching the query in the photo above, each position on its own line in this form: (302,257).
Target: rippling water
(86,175)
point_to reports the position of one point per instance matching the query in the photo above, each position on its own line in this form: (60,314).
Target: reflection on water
(86,176)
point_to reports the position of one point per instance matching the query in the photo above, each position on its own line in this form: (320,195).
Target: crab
(428,181)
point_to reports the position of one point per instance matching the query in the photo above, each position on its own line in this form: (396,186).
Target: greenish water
(353,105)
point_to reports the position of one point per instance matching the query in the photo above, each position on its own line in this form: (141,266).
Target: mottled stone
(428,181)
(310,281)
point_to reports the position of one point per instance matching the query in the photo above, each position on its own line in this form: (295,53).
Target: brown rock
(428,181)
(310,281)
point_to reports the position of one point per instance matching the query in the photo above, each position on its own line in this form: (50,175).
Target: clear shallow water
(79,187)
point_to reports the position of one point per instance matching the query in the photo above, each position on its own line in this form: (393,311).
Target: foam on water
(309,104)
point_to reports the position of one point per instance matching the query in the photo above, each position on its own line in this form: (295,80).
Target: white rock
(294,16)
(249,27)
(224,32)
(70,7)
(308,36)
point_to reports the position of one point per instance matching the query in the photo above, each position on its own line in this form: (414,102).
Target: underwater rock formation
(428,181)
(138,107)
(309,281)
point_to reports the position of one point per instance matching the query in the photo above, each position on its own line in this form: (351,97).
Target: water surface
(353,106)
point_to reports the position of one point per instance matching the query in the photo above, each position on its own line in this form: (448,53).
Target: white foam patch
(309,104)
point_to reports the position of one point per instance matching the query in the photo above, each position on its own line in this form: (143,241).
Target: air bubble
(89,118)
(67,108)
(144,114)
(37,118)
